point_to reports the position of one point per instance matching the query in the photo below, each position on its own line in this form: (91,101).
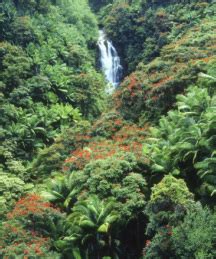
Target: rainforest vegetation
(85,174)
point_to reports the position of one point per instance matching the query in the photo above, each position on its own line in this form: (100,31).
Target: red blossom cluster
(35,246)
(155,98)
(30,204)
(133,81)
(22,239)
(128,139)
(118,122)
(79,158)
(110,125)
(166,230)
(130,89)
(169,230)
(29,242)
(162,81)
(148,242)
(205,60)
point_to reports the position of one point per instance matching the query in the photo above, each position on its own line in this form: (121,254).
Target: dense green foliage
(86,175)
(188,136)
(141,28)
(195,234)
(165,46)
(48,81)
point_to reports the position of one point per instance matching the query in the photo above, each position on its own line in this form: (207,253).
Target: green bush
(195,238)
(11,189)
(170,201)
(183,144)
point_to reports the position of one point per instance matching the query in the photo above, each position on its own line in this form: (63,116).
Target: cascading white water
(110,61)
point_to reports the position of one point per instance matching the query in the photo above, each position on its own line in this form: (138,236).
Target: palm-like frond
(61,191)
(91,220)
(186,136)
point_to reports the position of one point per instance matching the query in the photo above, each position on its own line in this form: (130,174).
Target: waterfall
(110,61)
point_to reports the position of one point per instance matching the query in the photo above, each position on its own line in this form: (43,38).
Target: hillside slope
(85,175)
(165,45)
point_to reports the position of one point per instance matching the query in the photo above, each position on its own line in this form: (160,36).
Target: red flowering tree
(15,240)
(129,99)
(30,227)
(35,214)
(127,138)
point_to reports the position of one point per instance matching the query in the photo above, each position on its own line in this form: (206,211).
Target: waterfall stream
(110,61)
